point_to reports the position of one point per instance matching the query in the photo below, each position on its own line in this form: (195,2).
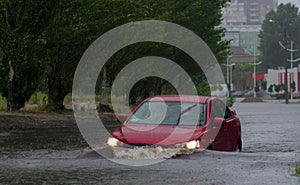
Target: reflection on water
(107,176)
(66,138)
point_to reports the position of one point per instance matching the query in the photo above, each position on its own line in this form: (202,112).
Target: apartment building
(247,12)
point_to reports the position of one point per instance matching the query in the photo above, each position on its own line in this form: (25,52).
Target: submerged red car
(180,121)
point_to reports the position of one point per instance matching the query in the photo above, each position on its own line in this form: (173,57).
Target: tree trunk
(104,105)
(15,100)
(56,92)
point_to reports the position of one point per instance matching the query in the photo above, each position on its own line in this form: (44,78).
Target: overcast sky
(296,2)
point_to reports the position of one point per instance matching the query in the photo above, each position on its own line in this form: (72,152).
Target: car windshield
(170,113)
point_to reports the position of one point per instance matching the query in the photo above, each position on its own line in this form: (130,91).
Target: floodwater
(271,150)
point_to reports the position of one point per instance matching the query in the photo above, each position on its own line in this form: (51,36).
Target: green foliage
(297,171)
(22,45)
(216,87)
(293,86)
(277,87)
(264,85)
(38,98)
(230,101)
(201,16)
(41,42)
(37,102)
(204,89)
(270,89)
(67,38)
(2,103)
(282,25)
(282,86)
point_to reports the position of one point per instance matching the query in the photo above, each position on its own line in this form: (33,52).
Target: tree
(44,40)
(270,89)
(277,87)
(203,17)
(22,43)
(282,26)
(75,25)
(66,41)
(256,88)
(264,85)
(293,86)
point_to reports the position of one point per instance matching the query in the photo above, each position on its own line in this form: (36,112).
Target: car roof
(180,98)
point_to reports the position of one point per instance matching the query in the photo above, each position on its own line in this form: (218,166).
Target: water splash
(149,153)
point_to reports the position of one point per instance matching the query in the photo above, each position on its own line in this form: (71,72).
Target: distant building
(256,10)
(247,12)
(235,14)
(245,36)
(277,76)
(240,56)
(243,19)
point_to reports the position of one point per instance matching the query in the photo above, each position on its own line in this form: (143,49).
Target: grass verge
(297,171)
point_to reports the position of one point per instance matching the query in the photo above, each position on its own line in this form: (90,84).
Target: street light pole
(254,75)
(254,71)
(227,66)
(227,73)
(231,69)
(292,50)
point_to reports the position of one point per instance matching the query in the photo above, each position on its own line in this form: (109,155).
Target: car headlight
(111,141)
(195,144)
(192,144)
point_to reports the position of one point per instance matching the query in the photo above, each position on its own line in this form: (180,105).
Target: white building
(277,76)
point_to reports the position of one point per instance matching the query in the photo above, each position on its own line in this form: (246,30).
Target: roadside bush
(297,171)
(38,98)
(230,101)
(2,103)
(270,89)
(37,103)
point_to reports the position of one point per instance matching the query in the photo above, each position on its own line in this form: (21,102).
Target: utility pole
(229,76)
(292,50)
(254,69)
(254,75)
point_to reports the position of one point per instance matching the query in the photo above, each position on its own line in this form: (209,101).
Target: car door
(223,139)
(229,131)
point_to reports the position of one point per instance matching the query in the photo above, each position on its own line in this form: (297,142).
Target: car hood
(146,134)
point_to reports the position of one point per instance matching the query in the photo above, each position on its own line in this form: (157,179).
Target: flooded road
(271,150)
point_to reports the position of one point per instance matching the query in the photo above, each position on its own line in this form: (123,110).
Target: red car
(180,121)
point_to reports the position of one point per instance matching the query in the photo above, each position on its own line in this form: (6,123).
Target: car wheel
(238,146)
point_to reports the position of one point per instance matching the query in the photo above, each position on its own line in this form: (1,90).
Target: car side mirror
(233,112)
(122,117)
(219,122)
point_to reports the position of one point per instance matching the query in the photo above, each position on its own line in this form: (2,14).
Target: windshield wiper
(185,111)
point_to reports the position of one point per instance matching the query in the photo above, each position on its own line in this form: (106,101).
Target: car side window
(217,110)
(228,114)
